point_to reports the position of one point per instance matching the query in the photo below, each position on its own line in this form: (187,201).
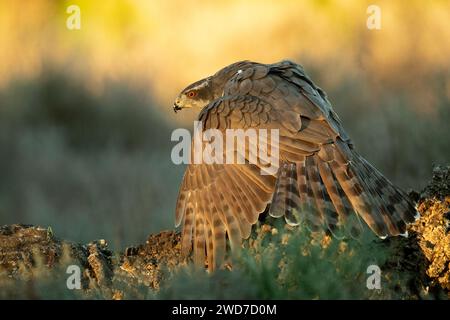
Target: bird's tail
(326,190)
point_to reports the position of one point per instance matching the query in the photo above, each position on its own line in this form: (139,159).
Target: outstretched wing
(333,179)
(319,172)
(220,201)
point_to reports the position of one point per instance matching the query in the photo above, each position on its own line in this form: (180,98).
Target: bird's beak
(176,108)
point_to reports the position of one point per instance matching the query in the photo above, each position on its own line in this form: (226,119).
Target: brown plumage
(321,179)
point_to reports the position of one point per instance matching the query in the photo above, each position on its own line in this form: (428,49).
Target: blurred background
(86,118)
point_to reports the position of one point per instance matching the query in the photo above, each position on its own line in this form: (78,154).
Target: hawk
(320,175)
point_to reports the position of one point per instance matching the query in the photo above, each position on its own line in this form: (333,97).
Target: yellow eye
(191,94)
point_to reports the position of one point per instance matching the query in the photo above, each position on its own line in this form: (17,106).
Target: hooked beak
(176,108)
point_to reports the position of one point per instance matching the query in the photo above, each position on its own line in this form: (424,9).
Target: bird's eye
(191,94)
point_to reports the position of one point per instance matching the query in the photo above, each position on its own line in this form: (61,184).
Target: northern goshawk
(320,175)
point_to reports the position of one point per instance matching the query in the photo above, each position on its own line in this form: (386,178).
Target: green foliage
(294,265)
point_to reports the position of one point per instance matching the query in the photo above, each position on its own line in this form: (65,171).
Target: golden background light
(167,44)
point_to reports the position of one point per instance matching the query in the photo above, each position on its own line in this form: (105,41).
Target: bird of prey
(320,175)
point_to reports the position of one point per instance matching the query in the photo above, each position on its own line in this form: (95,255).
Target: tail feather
(358,198)
(393,195)
(391,218)
(325,189)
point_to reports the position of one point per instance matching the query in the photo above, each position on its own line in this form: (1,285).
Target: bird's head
(196,95)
